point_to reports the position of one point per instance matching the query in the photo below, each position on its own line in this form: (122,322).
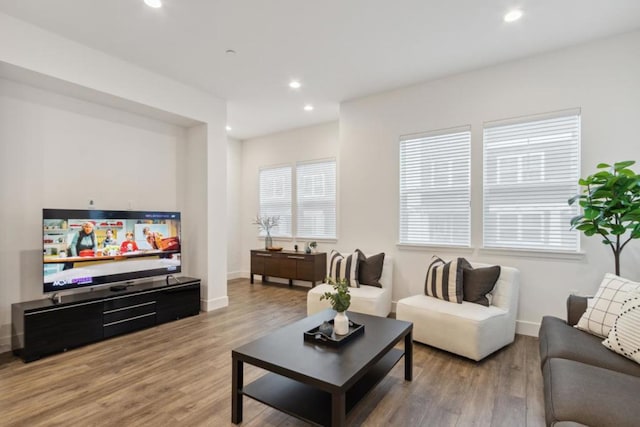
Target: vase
(341,323)
(268,242)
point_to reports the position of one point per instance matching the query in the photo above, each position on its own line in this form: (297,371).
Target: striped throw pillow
(444,279)
(341,267)
(624,337)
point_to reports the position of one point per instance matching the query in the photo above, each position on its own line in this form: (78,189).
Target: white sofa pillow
(604,308)
(624,338)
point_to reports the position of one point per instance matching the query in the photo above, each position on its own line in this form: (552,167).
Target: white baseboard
(237,275)
(214,304)
(527,328)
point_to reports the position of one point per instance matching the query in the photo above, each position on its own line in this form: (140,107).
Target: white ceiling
(338,49)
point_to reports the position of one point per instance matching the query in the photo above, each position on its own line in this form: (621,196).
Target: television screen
(84,248)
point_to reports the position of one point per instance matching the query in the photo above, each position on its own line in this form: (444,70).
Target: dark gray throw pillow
(370,269)
(478,282)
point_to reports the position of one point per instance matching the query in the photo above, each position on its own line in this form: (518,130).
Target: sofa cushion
(370,268)
(604,308)
(477,283)
(624,337)
(444,280)
(559,340)
(341,267)
(589,395)
(470,330)
(365,299)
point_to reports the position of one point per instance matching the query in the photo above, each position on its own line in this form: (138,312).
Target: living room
(78,124)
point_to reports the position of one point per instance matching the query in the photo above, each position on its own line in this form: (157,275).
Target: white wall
(38,127)
(234,196)
(601,78)
(60,152)
(310,143)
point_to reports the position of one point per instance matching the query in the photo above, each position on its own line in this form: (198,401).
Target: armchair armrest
(576,306)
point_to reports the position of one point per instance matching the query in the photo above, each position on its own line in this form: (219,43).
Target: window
(275,198)
(531,169)
(316,200)
(434,188)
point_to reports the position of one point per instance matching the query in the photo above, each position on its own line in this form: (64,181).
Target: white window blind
(275,198)
(316,199)
(434,188)
(531,169)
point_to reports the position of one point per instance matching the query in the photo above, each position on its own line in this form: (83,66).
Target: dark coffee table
(314,382)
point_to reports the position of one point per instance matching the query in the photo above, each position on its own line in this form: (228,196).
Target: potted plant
(611,206)
(340,301)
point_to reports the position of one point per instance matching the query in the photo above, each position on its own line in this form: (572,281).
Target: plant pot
(341,323)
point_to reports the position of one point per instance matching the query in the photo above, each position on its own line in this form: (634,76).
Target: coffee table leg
(408,356)
(338,409)
(236,390)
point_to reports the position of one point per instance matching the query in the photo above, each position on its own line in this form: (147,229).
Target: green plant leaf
(618,230)
(622,165)
(602,174)
(627,172)
(603,165)
(573,199)
(590,213)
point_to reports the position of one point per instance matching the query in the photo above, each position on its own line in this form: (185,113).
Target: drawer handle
(295,257)
(264,255)
(129,307)
(129,319)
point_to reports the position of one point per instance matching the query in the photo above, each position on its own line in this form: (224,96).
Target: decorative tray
(274,248)
(333,340)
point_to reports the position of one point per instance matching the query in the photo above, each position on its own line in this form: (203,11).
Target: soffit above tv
(61,87)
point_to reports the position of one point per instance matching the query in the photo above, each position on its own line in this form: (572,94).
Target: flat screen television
(84,248)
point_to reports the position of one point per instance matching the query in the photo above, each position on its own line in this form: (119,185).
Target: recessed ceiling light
(294,84)
(513,16)
(153,3)
(308,107)
(228,128)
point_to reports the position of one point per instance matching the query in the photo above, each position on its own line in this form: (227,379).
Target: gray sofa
(585,383)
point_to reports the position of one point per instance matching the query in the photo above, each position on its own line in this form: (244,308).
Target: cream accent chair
(468,329)
(365,299)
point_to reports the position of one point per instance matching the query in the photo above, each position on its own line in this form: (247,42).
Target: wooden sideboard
(289,265)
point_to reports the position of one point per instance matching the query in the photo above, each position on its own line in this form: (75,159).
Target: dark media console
(44,327)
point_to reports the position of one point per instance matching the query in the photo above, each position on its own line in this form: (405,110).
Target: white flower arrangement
(266,222)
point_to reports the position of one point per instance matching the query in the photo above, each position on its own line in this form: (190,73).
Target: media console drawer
(289,265)
(42,327)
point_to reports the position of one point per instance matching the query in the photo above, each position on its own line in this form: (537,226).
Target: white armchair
(365,299)
(468,329)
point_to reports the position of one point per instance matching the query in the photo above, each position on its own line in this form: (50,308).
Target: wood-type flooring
(179,374)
